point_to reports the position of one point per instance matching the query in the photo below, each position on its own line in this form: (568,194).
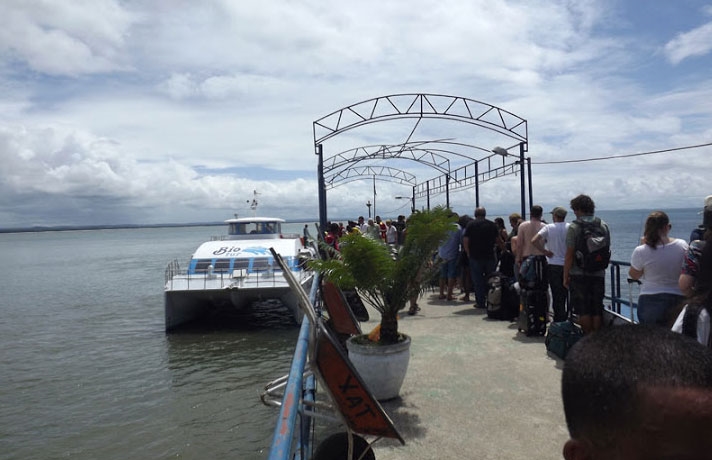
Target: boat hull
(187,305)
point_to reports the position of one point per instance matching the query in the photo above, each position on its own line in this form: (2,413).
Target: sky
(177,111)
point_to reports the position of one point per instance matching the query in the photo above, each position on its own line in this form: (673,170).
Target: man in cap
(551,240)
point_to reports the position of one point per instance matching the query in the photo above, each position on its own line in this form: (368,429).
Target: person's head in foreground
(638,392)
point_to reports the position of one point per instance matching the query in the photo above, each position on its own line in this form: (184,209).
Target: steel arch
(420,105)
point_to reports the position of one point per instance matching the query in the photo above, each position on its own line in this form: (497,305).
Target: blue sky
(175,111)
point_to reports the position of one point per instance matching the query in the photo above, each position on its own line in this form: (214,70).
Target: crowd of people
(574,266)
(636,391)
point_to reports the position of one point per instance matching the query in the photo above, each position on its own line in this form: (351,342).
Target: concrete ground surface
(475,389)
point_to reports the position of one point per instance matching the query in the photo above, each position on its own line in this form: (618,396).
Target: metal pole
(322,188)
(521,177)
(427,188)
(447,191)
(374,196)
(412,202)
(529,178)
(477,185)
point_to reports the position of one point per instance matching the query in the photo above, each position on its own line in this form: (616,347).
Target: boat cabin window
(222,265)
(241,264)
(238,229)
(261,263)
(253,228)
(202,265)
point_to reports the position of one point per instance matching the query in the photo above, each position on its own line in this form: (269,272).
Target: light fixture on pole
(368,205)
(501,151)
(505,153)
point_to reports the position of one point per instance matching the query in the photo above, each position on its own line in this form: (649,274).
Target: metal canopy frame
(459,164)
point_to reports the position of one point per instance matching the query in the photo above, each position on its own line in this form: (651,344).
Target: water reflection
(217,371)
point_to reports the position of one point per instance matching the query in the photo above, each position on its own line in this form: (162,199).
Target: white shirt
(703,325)
(660,266)
(555,236)
(391,234)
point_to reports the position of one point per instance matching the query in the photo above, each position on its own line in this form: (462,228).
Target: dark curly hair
(584,204)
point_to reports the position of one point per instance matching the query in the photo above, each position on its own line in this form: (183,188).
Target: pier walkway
(475,388)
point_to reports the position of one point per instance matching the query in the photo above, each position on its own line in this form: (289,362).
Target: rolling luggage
(532,316)
(502,297)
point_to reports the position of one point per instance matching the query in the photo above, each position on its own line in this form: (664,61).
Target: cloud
(697,42)
(65,38)
(176,111)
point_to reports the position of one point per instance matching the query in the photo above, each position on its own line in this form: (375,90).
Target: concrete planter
(382,367)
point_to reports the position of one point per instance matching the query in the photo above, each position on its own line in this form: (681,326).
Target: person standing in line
(381,227)
(694,319)
(479,241)
(551,239)
(464,264)
(657,262)
(514,220)
(526,231)
(391,233)
(400,227)
(449,253)
(372,230)
(698,233)
(586,287)
(362,225)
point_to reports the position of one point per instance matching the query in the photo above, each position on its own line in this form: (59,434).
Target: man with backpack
(588,251)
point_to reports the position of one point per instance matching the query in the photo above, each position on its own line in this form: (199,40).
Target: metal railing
(300,389)
(290,443)
(218,279)
(615,294)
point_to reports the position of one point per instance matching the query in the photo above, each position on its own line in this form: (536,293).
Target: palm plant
(385,280)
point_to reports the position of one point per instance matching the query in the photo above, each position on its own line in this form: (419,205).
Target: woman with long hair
(694,320)
(657,264)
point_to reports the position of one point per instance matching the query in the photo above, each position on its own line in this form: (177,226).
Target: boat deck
(475,388)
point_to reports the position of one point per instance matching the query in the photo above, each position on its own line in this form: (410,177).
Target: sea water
(87,371)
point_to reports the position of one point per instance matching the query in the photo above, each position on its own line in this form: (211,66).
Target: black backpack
(593,246)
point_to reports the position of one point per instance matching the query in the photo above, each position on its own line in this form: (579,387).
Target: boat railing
(218,279)
(286,236)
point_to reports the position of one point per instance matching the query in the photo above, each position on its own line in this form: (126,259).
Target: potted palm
(387,281)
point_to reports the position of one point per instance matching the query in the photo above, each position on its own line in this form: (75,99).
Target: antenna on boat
(253,204)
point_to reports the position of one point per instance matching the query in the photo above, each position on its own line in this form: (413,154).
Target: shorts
(587,294)
(449,269)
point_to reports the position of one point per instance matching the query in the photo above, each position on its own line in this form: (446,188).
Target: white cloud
(697,42)
(153,94)
(65,38)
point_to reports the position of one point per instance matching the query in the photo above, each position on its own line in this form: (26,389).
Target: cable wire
(613,157)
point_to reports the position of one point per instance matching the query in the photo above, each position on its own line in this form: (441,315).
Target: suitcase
(532,316)
(561,336)
(502,298)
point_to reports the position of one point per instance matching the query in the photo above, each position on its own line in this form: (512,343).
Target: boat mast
(253,203)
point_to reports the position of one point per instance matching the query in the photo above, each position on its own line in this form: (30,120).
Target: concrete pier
(476,388)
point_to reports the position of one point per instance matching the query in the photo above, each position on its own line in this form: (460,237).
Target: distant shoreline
(64,228)
(68,228)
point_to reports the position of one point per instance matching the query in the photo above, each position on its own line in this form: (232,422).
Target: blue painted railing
(298,390)
(619,297)
(292,434)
